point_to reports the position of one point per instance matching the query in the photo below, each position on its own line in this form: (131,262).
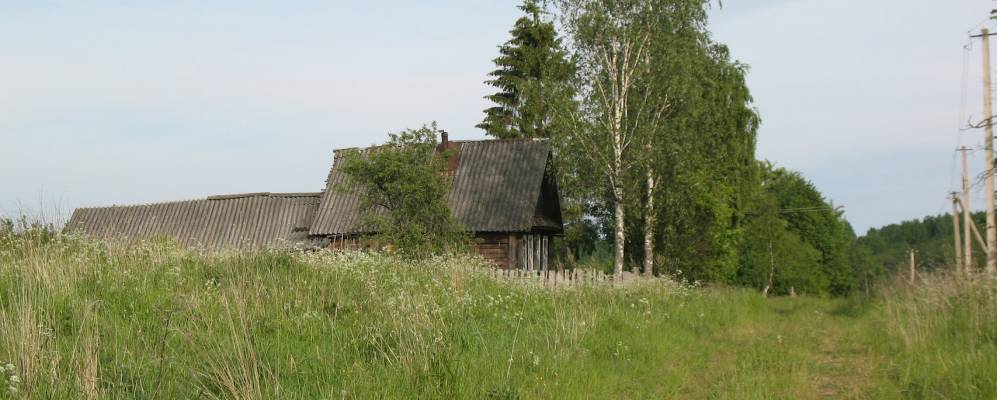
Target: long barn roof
(496,187)
(248,221)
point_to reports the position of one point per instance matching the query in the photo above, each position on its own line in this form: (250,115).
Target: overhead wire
(978,180)
(800,210)
(972,28)
(963,84)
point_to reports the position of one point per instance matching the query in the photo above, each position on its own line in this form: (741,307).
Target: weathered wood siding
(347,242)
(529,252)
(494,247)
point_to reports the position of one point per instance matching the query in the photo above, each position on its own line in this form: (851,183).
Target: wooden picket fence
(562,278)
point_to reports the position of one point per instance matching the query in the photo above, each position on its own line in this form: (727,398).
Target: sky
(120,102)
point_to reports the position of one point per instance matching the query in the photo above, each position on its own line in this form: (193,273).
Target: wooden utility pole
(976,233)
(768,286)
(989,150)
(912,268)
(955,230)
(967,218)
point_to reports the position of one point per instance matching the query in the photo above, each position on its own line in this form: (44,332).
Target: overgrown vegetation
(82,319)
(403,190)
(794,238)
(943,332)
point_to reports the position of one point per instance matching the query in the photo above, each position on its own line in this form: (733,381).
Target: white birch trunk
(620,228)
(616,60)
(620,237)
(649,221)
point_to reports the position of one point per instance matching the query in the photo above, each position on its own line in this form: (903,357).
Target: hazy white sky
(113,102)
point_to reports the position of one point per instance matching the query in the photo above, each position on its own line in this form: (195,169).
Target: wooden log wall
(495,248)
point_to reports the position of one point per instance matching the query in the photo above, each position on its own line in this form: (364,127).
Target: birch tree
(610,42)
(676,50)
(650,139)
(702,151)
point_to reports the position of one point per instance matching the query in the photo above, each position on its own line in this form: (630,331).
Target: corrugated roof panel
(258,221)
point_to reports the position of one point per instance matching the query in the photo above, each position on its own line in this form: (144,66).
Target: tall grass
(943,333)
(85,319)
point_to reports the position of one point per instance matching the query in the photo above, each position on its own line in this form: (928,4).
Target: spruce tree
(532,78)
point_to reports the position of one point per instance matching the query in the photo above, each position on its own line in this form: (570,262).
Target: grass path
(835,339)
(844,366)
(798,348)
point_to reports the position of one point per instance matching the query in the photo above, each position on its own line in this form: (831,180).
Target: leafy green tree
(403,193)
(532,76)
(773,258)
(664,136)
(696,163)
(868,268)
(612,43)
(677,48)
(806,214)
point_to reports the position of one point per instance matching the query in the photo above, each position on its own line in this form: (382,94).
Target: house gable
(497,187)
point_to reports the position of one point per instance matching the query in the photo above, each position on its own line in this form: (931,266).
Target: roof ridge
(262,194)
(527,140)
(213,197)
(539,140)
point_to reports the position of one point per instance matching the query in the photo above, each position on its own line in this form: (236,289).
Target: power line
(798,210)
(973,28)
(967,51)
(964,79)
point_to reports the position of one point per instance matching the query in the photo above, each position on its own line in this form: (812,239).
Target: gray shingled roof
(246,221)
(496,187)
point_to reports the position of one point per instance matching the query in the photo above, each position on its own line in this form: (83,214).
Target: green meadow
(87,320)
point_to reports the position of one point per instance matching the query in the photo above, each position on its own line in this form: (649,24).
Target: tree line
(654,135)
(884,252)
(653,132)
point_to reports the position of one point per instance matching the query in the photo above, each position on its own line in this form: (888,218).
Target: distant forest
(884,251)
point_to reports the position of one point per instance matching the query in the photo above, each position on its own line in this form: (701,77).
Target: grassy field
(80,319)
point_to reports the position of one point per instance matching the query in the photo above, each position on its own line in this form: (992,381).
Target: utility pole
(912,268)
(955,229)
(765,293)
(976,233)
(989,150)
(967,217)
